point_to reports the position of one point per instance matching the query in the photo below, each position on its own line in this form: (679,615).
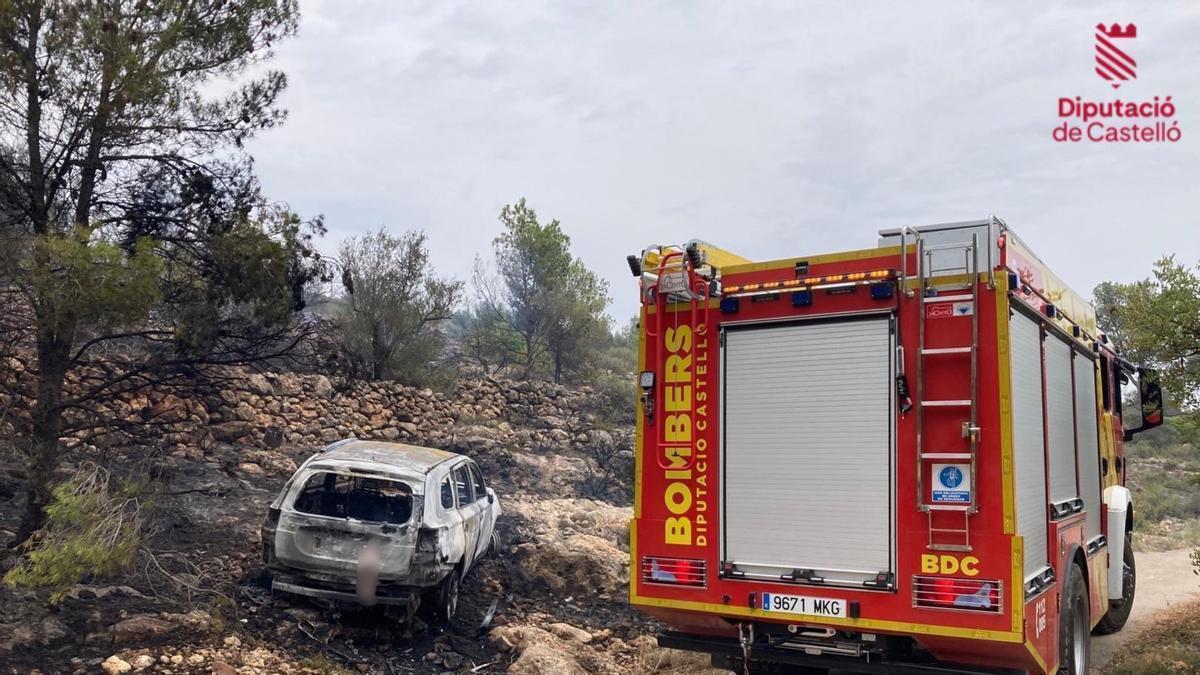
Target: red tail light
(979,595)
(675,571)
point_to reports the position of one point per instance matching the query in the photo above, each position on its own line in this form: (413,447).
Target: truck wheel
(1118,610)
(1074,625)
(447,597)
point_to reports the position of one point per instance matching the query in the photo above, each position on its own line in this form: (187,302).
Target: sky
(771,130)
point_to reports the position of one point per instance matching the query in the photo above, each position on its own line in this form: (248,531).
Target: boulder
(114,665)
(322,387)
(259,385)
(140,627)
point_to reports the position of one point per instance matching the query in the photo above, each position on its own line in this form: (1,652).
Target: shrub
(616,400)
(94,526)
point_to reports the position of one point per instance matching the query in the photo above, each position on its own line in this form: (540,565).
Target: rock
(222,668)
(140,627)
(197,619)
(322,387)
(250,469)
(142,662)
(259,385)
(195,659)
(30,634)
(233,641)
(230,432)
(245,412)
(114,665)
(177,659)
(568,632)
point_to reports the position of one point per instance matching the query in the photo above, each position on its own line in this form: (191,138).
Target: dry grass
(659,661)
(1169,646)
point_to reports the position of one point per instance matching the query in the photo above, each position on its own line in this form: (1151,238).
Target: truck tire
(1074,625)
(1118,610)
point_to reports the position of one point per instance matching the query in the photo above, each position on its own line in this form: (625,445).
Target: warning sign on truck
(951,483)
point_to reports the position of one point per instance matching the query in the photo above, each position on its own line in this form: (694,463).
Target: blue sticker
(951,477)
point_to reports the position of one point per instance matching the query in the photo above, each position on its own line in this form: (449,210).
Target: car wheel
(1074,625)
(1118,610)
(447,596)
(494,545)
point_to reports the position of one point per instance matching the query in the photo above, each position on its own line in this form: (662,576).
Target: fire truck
(900,459)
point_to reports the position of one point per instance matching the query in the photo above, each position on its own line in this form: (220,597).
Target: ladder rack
(930,289)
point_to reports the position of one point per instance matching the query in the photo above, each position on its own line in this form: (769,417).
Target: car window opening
(462,484)
(359,497)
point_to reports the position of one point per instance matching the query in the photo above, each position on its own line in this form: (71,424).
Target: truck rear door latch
(803,575)
(883,580)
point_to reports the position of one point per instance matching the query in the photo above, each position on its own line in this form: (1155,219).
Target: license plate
(803,604)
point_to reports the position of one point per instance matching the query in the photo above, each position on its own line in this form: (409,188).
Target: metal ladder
(929,292)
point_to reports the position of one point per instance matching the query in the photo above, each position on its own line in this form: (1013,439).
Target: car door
(487,514)
(469,509)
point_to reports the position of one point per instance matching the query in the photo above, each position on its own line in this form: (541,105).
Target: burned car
(367,522)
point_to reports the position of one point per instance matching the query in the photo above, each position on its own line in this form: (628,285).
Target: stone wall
(268,410)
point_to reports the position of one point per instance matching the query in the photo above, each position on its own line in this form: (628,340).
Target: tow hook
(746,638)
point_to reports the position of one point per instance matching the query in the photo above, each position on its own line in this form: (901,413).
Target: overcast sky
(771,130)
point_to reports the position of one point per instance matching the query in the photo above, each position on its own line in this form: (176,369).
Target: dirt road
(1163,579)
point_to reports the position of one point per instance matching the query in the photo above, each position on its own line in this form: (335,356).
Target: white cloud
(772,130)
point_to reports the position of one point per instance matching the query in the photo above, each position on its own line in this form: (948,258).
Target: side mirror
(491,496)
(1152,398)
(1151,402)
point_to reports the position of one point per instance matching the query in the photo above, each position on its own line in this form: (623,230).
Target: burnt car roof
(413,459)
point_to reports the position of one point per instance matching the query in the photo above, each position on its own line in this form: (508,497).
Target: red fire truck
(906,458)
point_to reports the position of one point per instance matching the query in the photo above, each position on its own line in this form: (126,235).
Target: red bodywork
(678,491)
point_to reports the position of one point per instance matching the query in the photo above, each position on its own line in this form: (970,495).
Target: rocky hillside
(552,600)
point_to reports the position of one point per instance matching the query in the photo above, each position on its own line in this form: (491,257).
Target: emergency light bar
(804,283)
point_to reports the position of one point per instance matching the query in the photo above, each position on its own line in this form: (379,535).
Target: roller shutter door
(808,459)
(1087,429)
(1060,416)
(1028,443)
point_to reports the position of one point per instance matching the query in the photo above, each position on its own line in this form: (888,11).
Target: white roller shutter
(808,457)
(1028,443)
(1060,416)
(1087,428)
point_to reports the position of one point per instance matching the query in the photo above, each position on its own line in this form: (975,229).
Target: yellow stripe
(1038,657)
(1018,585)
(1004,367)
(637,456)
(633,558)
(872,624)
(641,417)
(790,263)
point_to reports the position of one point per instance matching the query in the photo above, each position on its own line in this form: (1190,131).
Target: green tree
(136,239)
(548,300)
(395,304)
(1157,322)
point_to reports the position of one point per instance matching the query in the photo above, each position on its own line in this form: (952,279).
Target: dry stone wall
(263,411)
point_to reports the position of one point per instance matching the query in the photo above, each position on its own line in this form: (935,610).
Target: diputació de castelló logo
(1148,120)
